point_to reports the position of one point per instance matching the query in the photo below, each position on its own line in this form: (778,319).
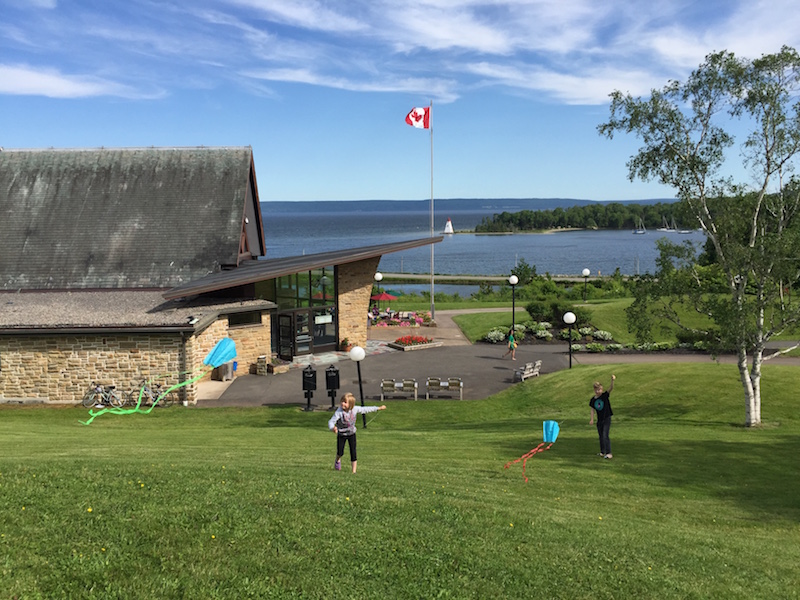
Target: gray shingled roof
(119,218)
(63,312)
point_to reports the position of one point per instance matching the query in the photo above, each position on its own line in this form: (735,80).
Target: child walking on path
(601,408)
(343,424)
(512,345)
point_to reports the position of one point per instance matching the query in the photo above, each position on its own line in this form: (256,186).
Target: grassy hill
(238,503)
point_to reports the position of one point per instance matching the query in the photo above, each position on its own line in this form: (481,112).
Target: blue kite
(550,431)
(224,351)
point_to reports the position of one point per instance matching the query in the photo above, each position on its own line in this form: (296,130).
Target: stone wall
(60,368)
(354,288)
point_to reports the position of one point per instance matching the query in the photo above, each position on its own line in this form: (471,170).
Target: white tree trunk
(751,383)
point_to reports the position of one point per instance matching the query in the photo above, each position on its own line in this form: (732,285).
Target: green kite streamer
(222,352)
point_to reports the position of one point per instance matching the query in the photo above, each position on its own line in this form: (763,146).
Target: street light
(378,279)
(585,274)
(513,281)
(569,319)
(357,354)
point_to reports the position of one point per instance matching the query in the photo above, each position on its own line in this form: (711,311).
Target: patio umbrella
(382,296)
(394,292)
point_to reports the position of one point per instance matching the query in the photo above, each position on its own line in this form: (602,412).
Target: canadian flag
(419,118)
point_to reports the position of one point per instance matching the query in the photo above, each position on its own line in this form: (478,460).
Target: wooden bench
(435,386)
(405,387)
(530,369)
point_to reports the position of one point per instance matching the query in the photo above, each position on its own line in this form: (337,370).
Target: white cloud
(440,90)
(307,14)
(569,88)
(571,51)
(24,80)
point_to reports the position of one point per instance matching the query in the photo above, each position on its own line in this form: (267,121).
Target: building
(119,264)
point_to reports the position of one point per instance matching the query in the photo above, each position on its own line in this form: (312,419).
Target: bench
(405,387)
(438,387)
(530,369)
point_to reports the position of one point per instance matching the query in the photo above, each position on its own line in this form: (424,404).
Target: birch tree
(688,143)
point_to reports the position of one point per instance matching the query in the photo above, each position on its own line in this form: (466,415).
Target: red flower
(412,340)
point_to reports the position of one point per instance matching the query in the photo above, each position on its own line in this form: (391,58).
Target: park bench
(436,386)
(404,387)
(530,369)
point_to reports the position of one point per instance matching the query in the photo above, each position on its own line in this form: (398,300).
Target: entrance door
(302,329)
(285,336)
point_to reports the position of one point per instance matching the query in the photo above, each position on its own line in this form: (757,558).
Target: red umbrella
(383,296)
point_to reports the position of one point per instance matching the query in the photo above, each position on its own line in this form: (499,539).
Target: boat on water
(448,228)
(640,228)
(665,226)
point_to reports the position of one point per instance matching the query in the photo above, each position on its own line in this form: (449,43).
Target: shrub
(595,347)
(576,347)
(496,335)
(565,334)
(601,335)
(539,311)
(614,347)
(585,331)
(543,334)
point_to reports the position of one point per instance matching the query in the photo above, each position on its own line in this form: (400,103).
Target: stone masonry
(355,288)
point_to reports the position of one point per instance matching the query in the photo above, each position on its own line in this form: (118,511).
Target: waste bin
(224,372)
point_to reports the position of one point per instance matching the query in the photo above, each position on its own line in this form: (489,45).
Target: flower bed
(413,342)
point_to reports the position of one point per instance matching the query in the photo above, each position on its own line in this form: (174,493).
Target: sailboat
(640,228)
(665,225)
(448,228)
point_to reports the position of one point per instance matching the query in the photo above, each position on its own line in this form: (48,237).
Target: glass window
(309,288)
(244,319)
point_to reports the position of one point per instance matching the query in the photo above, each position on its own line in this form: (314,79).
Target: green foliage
(601,215)
(524,272)
(753,229)
(554,311)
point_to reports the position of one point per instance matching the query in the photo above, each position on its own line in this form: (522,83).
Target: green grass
(244,503)
(475,325)
(608,315)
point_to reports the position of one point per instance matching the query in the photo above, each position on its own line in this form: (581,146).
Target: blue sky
(320,88)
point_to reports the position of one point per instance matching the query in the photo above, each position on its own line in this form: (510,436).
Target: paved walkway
(480,366)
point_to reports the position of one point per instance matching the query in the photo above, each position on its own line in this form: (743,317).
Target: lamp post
(513,281)
(378,279)
(585,274)
(569,319)
(357,354)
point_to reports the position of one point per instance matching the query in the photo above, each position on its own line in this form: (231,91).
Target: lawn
(244,503)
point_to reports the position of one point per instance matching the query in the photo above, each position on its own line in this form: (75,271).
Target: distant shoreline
(537,231)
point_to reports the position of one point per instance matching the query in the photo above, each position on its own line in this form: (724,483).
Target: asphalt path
(481,367)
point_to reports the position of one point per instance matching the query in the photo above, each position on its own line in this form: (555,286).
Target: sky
(320,88)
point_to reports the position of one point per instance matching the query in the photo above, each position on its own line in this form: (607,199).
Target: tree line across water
(612,215)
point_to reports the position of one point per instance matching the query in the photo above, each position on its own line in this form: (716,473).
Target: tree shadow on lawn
(759,477)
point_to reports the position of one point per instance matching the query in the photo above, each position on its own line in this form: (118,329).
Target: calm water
(566,253)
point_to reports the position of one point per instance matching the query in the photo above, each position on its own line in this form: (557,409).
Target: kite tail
(525,456)
(93,414)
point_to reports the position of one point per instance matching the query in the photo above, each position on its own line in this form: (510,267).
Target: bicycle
(100,395)
(151,395)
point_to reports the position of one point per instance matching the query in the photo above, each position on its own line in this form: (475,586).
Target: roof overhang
(262,270)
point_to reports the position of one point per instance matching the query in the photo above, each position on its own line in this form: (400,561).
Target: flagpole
(430,121)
